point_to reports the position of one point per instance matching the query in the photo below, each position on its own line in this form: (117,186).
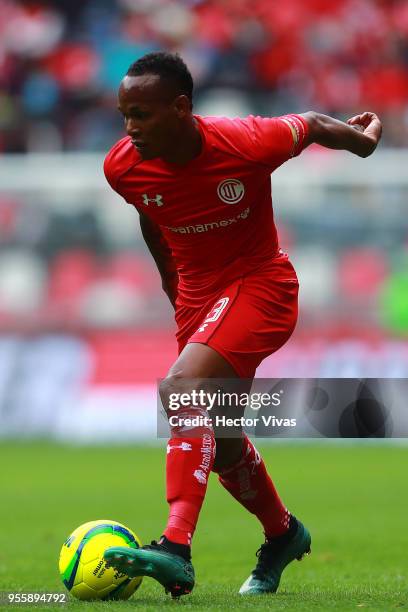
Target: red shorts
(250,319)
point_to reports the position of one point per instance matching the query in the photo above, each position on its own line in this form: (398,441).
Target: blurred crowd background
(61,61)
(77,287)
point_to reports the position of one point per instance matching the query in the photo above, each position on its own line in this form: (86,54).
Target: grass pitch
(354,500)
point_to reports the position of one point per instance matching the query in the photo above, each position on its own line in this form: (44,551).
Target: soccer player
(201,186)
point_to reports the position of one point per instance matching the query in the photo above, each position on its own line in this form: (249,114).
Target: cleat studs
(307,552)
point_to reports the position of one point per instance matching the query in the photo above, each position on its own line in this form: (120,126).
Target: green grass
(354,500)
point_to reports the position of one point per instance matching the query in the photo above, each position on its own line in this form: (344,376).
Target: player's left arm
(359,135)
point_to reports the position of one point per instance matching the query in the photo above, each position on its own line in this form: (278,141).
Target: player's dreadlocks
(170,67)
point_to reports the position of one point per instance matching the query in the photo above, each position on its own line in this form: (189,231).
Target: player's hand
(369,124)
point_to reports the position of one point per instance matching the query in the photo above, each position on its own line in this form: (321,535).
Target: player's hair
(169,66)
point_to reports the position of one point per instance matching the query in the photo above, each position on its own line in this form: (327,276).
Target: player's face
(153,116)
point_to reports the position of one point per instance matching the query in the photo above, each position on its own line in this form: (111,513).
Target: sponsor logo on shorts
(214,313)
(231,191)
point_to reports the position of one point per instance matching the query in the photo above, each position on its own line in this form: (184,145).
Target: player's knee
(178,392)
(187,417)
(167,387)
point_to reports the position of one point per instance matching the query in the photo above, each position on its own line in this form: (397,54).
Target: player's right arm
(162,255)
(360,135)
(119,160)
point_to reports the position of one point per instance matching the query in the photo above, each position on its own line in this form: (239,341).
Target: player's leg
(248,481)
(243,473)
(256,323)
(245,324)
(191,450)
(286,538)
(190,458)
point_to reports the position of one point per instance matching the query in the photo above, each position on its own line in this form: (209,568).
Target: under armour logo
(158,199)
(185,446)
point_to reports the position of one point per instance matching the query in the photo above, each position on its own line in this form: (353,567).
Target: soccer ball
(83,569)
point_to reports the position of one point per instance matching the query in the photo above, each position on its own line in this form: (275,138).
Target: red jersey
(216,211)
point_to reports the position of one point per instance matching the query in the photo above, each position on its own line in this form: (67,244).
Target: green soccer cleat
(175,573)
(273,557)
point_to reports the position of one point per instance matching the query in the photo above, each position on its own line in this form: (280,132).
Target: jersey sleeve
(277,139)
(118,161)
(108,171)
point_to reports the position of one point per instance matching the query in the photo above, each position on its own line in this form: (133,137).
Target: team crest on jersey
(231,191)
